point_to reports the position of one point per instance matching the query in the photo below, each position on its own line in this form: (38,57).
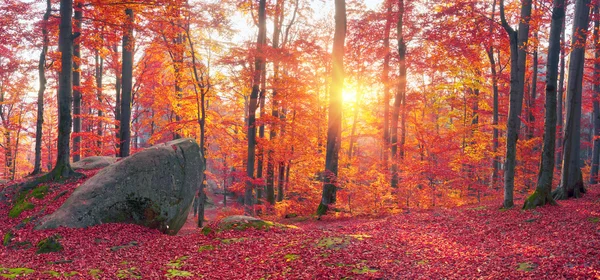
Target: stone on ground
(153,188)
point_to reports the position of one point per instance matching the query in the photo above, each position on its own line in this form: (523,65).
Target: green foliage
(49,244)
(12,273)
(207,230)
(172,273)
(40,192)
(53,273)
(594,220)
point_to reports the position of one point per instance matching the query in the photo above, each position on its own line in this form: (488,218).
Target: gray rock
(154,188)
(93,162)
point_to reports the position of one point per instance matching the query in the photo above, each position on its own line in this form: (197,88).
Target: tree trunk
(62,168)
(277,24)
(559,99)
(400,96)
(37,166)
(571,178)
(495,144)
(77,86)
(258,62)
(99,71)
(118,79)
(518,58)
(386,85)
(596,102)
(533,96)
(542,194)
(334,128)
(127,72)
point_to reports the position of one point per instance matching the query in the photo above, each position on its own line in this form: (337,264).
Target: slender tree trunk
(37,166)
(495,143)
(99,71)
(258,61)
(399,98)
(261,128)
(559,99)
(334,128)
(277,23)
(118,79)
(518,58)
(386,85)
(571,184)
(533,96)
(62,167)
(596,102)
(77,86)
(542,194)
(125,123)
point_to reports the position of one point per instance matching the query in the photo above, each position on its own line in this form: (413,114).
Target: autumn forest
(308,133)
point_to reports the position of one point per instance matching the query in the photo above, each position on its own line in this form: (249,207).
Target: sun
(349,93)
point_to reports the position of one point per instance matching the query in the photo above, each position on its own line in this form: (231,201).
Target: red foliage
(459,243)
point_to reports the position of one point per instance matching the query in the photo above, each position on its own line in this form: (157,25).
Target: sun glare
(349,94)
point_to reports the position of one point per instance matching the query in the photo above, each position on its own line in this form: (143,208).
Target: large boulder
(154,188)
(93,162)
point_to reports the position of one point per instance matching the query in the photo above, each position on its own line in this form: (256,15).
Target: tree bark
(542,194)
(99,71)
(62,168)
(77,86)
(334,128)
(596,102)
(386,85)
(127,72)
(518,57)
(37,166)
(399,99)
(571,178)
(258,61)
(559,99)
(533,96)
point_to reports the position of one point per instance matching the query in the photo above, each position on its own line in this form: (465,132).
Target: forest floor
(479,241)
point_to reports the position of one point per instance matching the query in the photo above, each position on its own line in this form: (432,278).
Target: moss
(232,240)
(131,273)
(334,242)
(291,257)
(207,230)
(364,270)
(7,238)
(12,273)
(526,266)
(19,207)
(171,273)
(178,262)
(49,245)
(206,248)
(95,273)
(40,192)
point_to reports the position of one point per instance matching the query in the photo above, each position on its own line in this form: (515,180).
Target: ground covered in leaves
(471,242)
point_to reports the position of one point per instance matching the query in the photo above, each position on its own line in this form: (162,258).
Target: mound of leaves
(472,242)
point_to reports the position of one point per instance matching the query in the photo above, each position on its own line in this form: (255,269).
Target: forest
(300,139)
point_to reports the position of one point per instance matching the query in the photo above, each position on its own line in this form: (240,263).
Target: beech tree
(77,85)
(127,81)
(37,167)
(334,127)
(542,194)
(518,58)
(258,62)
(400,99)
(596,101)
(571,183)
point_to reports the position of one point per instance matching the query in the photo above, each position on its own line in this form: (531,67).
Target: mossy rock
(50,244)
